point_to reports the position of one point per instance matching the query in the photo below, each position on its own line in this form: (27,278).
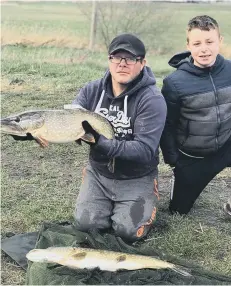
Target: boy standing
(196,141)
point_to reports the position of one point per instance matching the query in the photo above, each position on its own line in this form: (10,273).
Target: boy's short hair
(204,23)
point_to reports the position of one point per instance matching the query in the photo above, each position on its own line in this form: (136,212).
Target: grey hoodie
(137,116)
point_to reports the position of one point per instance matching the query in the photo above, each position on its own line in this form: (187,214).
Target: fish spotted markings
(121,258)
(79,256)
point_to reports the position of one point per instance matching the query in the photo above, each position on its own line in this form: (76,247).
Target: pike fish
(80,258)
(57,126)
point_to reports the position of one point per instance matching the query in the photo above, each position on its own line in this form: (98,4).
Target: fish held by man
(57,126)
(80,258)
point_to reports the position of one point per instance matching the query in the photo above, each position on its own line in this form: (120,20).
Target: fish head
(37,255)
(45,255)
(22,123)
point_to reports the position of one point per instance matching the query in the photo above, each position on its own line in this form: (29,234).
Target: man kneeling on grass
(126,199)
(196,141)
(127,96)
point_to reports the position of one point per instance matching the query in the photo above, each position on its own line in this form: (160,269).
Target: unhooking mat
(17,246)
(65,234)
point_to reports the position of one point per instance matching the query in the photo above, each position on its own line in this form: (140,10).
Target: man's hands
(88,129)
(28,137)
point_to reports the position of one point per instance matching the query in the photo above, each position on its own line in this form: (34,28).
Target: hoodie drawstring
(100,102)
(98,106)
(125,108)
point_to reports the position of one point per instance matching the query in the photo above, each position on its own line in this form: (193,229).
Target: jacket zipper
(217,109)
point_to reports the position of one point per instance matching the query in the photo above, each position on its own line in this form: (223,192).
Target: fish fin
(111,165)
(79,142)
(181,270)
(88,137)
(41,141)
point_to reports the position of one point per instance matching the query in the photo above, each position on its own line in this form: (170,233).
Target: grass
(185,237)
(45,61)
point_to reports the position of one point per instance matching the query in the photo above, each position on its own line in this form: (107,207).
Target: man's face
(122,72)
(204,46)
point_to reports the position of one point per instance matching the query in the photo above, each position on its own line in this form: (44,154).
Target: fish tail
(181,270)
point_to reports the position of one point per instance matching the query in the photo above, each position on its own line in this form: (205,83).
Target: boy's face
(204,46)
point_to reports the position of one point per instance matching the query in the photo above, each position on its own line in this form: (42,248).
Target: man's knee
(86,220)
(82,220)
(130,234)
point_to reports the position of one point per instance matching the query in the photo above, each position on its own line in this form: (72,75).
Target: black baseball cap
(129,43)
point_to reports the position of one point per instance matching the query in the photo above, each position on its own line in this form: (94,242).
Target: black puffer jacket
(199,108)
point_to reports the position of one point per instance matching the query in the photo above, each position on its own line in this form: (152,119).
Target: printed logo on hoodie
(120,122)
(118,118)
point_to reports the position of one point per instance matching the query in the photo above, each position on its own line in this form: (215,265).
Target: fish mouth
(34,256)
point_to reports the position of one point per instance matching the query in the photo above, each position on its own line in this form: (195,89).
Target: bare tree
(121,17)
(110,18)
(93,25)
(138,17)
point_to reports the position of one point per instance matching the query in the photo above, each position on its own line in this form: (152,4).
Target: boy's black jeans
(192,175)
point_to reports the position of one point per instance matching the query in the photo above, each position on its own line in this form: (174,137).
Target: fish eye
(17,119)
